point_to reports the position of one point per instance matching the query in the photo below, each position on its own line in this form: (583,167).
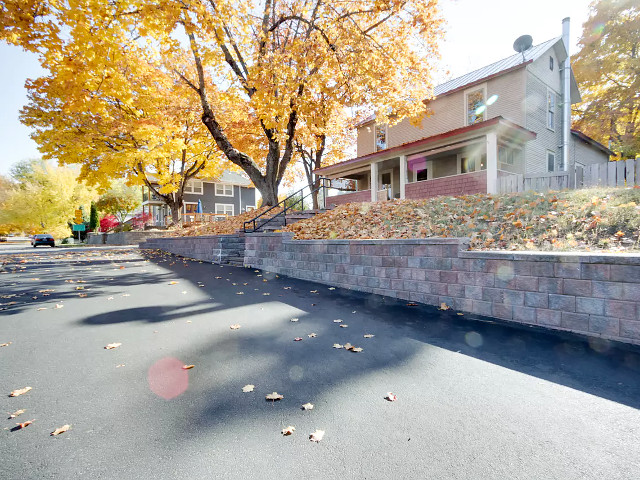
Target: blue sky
(479,32)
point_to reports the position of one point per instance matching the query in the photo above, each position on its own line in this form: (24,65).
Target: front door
(386,185)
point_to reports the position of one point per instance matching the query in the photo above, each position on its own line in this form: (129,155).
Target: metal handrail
(323,185)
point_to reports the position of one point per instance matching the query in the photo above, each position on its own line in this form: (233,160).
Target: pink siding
(361,196)
(465,184)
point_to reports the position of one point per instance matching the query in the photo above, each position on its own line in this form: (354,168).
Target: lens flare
(480,110)
(167,379)
(492,99)
(473,339)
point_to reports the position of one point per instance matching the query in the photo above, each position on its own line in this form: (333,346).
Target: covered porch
(463,161)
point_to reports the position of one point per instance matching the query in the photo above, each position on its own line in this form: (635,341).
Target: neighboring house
(492,130)
(232,194)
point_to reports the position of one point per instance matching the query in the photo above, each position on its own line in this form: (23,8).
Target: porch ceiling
(504,128)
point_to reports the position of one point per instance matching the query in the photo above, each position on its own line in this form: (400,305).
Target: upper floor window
(475,106)
(193,186)
(224,208)
(224,190)
(381,137)
(551,110)
(551,63)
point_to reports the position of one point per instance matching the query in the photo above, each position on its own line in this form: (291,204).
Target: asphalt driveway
(476,399)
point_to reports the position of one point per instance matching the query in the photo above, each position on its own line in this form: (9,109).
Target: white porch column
(403,175)
(374,182)
(492,163)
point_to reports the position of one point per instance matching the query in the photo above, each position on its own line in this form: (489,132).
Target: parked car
(43,239)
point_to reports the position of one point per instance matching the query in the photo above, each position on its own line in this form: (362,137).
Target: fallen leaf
(266,294)
(391,397)
(288,431)
(348,346)
(187,367)
(58,305)
(82,295)
(173,282)
(63,428)
(307,406)
(344,325)
(275,396)
(294,319)
(5,344)
(109,298)
(287,288)
(316,436)
(189,321)
(297,339)
(111,346)
(248,388)
(20,391)
(444,306)
(337,321)
(239,293)
(337,345)
(368,335)
(234,327)
(461,314)
(332,288)
(313,291)
(412,304)
(356,349)
(79,287)
(121,365)
(41,308)
(24,424)
(17,413)
(312,335)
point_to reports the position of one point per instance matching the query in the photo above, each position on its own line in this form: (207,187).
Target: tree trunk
(269,191)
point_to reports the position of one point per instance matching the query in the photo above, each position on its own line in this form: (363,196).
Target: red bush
(108,223)
(140,220)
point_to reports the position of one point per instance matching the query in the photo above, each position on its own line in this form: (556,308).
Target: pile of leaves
(602,218)
(227,226)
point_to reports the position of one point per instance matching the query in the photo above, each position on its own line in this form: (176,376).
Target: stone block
(595,271)
(580,288)
(575,321)
(548,317)
(502,311)
(621,309)
(594,306)
(524,314)
(490,294)
(482,308)
(455,290)
(438,288)
(625,273)
(566,303)
(604,325)
(448,277)
(567,270)
(501,267)
(463,304)
(630,329)
(473,291)
(483,279)
(418,274)
(513,297)
(542,269)
(527,283)
(631,292)
(550,285)
(536,300)
(612,290)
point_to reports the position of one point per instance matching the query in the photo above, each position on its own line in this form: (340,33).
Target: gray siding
(242,196)
(586,154)
(535,152)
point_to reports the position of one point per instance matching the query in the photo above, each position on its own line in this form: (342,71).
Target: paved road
(475,399)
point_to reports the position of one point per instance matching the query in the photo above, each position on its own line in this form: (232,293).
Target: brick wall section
(596,295)
(361,196)
(209,248)
(466,184)
(123,238)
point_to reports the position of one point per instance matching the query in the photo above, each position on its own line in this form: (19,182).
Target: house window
(422,174)
(224,190)
(551,110)
(551,161)
(193,186)
(224,208)
(551,63)
(249,208)
(190,208)
(381,137)
(467,164)
(508,156)
(475,106)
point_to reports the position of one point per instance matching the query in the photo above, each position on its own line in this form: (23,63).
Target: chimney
(566,99)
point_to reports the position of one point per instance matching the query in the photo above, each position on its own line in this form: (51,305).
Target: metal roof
(514,60)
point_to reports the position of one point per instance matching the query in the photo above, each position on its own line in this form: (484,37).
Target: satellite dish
(523,43)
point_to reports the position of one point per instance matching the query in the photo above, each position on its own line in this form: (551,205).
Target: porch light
(492,99)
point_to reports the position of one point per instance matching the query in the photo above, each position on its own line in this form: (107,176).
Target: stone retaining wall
(591,294)
(122,238)
(210,248)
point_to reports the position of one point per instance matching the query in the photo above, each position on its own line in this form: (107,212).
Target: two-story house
(231,194)
(505,121)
